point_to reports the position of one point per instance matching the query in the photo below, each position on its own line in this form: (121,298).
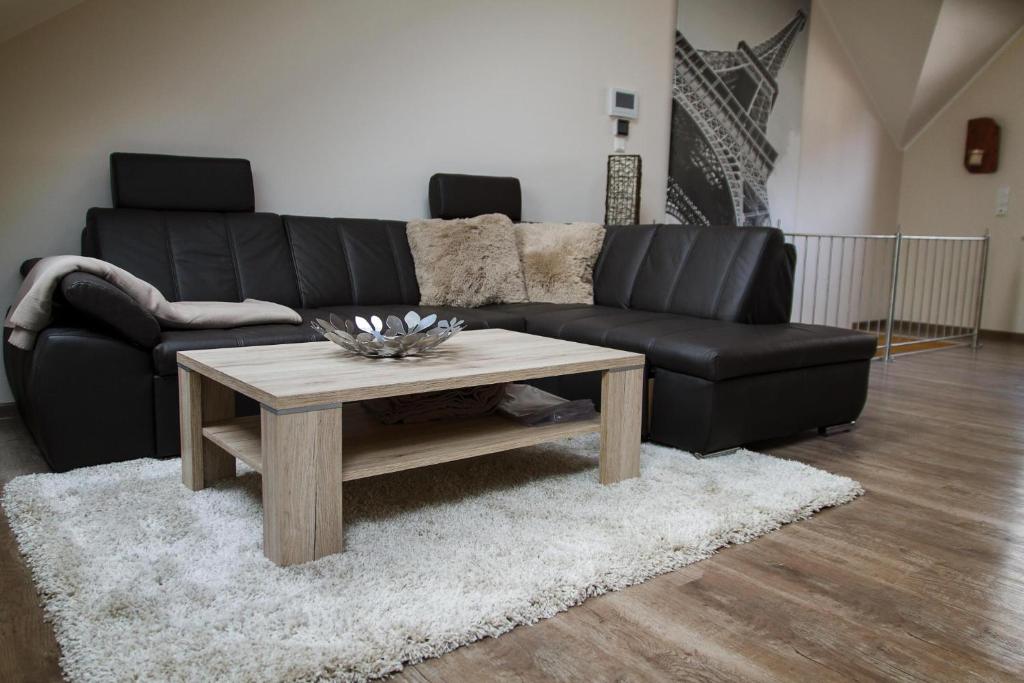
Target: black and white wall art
(737,99)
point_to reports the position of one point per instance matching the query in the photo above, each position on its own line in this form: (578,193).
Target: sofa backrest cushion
(736,274)
(197,256)
(625,248)
(351,261)
(176,183)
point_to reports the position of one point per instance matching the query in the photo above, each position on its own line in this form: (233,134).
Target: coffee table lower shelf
(370,448)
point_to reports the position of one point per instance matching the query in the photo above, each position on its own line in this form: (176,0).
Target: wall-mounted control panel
(1002,201)
(623,104)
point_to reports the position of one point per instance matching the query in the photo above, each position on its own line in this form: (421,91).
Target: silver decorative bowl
(388,338)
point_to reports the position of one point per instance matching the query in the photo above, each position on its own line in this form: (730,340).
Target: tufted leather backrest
(186,225)
(623,253)
(722,273)
(359,261)
(197,256)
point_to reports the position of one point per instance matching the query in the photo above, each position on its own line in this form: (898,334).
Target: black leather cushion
(345,261)
(476,318)
(533,307)
(726,350)
(775,280)
(588,324)
(712,349)
(160,181)
(636,331)
(703,272)
(625,248)
(108,305)
(172,341)
(192,256)
(722,273)
(463,196)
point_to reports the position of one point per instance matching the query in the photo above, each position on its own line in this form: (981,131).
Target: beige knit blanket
(33,306)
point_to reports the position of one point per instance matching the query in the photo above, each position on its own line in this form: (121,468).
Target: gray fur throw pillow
(467,261)
(558,260)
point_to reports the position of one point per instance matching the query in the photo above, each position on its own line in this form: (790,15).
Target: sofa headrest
(175,183)
(463,196)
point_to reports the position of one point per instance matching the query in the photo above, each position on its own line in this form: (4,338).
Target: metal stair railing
(914,292)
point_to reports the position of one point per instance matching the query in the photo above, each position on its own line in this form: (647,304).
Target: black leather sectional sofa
(708,306)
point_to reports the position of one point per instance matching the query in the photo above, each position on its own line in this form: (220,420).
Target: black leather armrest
(101,301)
(28,265)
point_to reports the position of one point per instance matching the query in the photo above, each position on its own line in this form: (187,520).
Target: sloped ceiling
(967,35)
(887,42)
(913,56)
(17,16)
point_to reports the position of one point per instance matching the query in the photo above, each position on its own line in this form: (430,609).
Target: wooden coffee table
(306,442)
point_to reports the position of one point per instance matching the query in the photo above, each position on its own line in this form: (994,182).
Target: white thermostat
(622,104)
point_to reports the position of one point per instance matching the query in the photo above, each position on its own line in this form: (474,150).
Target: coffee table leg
(621,404)
(301,484)
(200,402)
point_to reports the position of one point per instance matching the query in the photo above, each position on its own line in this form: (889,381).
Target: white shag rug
(145,580)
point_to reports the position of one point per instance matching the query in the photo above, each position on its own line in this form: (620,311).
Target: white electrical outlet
(1002,201)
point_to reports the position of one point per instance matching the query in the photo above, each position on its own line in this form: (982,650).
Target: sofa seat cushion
(594,325)
(712,349)
(618,328)
(728,350)
(476,318)
(172,341)
(533,308)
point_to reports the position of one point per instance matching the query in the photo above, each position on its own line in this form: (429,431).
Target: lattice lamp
(622,196)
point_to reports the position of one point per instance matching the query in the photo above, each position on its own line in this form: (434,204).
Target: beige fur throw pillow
(467,261)
(558,260)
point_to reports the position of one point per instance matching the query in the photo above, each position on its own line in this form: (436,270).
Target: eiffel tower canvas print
(736,102)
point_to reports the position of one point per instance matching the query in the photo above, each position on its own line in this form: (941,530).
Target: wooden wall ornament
(981,154)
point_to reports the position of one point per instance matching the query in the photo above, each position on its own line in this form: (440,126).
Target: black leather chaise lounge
(709,306)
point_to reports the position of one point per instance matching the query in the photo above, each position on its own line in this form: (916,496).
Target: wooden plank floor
(921,579)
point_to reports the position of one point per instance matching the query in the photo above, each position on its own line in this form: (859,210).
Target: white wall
(344,108)
(938,196)
(849,165)
(849,185)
